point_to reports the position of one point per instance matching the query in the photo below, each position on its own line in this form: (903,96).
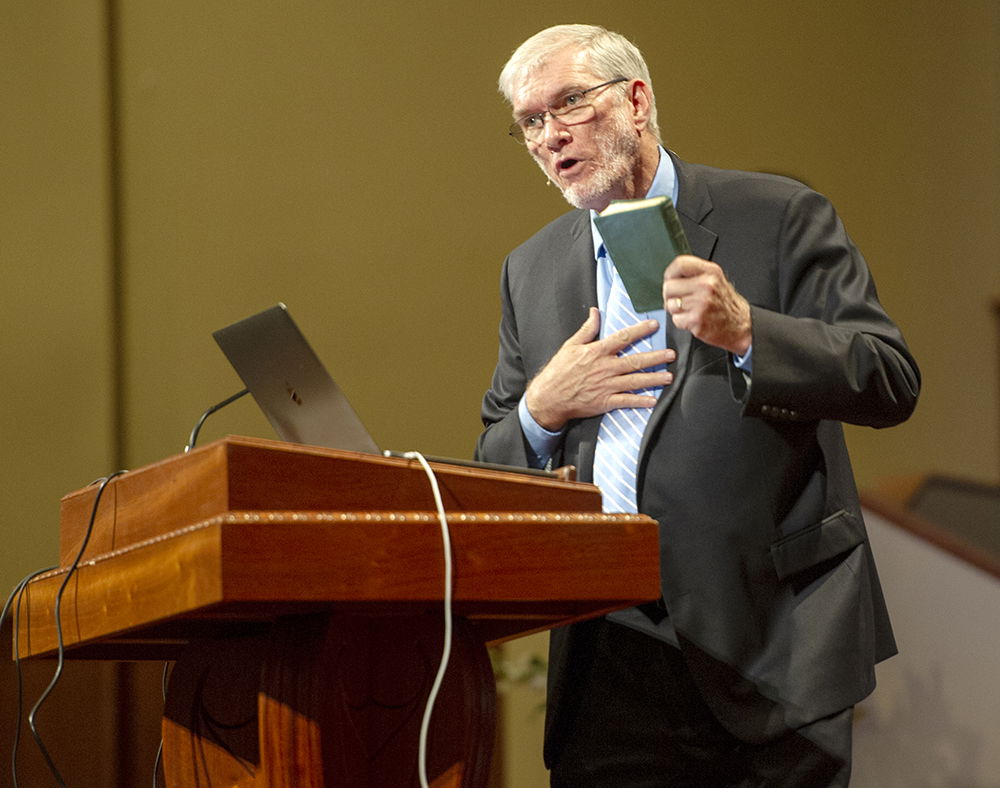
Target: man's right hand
(587,377)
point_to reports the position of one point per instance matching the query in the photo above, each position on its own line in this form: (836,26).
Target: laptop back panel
(290,384)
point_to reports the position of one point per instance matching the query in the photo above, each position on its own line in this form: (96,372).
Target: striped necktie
(617,452)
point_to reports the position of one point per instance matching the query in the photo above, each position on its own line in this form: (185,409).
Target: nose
(554,132)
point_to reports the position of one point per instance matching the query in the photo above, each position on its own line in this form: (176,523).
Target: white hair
(610,55)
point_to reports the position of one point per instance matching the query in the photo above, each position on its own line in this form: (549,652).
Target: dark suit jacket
(766,572)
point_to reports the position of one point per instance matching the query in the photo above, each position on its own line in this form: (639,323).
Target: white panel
(934,719)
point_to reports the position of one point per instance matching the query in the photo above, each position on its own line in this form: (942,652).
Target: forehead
(565,70)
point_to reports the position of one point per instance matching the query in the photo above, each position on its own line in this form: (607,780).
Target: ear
(641,99)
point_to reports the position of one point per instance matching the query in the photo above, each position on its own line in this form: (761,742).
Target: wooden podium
(298,591)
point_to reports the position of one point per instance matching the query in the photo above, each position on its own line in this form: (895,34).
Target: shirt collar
(664,183)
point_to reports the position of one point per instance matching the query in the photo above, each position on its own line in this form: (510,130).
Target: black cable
(217,406)
(16,594)
(58,613)
(192,440)
(59,634)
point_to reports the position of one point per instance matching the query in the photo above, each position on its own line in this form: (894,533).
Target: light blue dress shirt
(544,442)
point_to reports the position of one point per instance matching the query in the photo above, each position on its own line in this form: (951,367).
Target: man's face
(590,162)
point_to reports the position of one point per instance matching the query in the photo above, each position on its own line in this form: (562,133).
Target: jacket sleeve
(829,351)
(503,441)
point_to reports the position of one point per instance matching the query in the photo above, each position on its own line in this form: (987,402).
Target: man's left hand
(700,299)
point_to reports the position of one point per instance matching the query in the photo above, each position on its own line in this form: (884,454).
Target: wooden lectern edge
(202,573)
(566,473)
(197,548)
(167,639)
(888,503)
(130,562)
(562,476)
(896,489)
(159,497)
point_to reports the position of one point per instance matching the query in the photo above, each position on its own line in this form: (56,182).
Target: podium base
(330,700)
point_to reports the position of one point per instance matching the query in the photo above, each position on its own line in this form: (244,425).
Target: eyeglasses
(572,108)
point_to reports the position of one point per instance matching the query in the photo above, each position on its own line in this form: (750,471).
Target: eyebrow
(557,95)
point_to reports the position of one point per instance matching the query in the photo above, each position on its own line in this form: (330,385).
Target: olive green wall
(57,419)
(351,162)
(349,159)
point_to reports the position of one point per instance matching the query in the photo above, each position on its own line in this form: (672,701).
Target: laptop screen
(290,384)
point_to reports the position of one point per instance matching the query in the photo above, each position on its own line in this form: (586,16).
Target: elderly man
(718,415)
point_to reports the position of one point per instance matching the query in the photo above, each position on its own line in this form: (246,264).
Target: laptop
(296,393)
(290,384)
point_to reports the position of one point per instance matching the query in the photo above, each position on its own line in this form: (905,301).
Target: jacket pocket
(830,537)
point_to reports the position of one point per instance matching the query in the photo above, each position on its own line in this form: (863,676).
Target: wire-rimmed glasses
(571,108)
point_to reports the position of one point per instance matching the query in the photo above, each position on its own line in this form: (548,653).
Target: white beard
(619,146)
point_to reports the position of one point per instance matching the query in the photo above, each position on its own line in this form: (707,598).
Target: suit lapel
(694,203)
(578,281)
(576,278)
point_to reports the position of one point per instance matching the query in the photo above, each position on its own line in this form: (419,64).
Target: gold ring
(678,304)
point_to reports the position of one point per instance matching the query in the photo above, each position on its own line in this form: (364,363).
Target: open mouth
(567,164)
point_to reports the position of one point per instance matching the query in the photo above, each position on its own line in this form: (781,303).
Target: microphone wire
(217,406)
(60,661)
(446,646)
(17,593)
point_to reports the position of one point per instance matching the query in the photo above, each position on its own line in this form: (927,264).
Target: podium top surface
(207,544)
(252,474)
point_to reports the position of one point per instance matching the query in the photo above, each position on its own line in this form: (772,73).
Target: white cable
(446,650)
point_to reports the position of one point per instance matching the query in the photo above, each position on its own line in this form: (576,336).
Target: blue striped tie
(617,452)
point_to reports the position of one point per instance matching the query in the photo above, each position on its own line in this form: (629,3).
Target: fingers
(702,300)
(617,342)
(683,281)
(685,266)
(587,376)
(613,346)
(631,400)
(636,362)
(631,385)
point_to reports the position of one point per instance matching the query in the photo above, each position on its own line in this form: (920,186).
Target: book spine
(673,222)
